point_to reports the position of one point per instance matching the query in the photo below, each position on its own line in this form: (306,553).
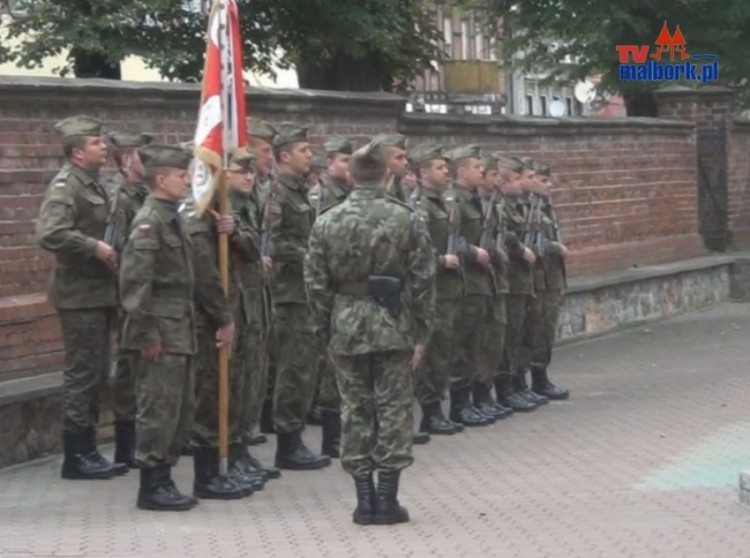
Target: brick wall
(739,183)
(625,187)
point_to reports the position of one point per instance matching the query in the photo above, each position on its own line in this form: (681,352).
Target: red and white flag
(222,124)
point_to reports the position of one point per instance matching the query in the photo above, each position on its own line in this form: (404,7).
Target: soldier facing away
(72,223)
(370,272)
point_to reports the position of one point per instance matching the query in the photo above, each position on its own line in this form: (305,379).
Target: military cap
(390,140)
(368,159)
(528,163)
(426,152)
(465,152)
(242,156)
(290,132)
(338,145)
(318,162)
(509,162)
(542,168)
(187,146)
(125,139)
(489,161)
(262,129)
(80,125)
(154,155)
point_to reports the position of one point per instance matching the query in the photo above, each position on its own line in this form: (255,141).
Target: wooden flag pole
(224,352)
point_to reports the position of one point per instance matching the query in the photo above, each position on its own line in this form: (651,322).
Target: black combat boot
(434,422)
(331,445)
(507,396)
(315,416)
(125,443)
(484,401)
(463,412)
(80,463)
(246,478)
(157,491)
(266,470)
(364,514)
(208,483)
(266,418)
(387,509)
(117,468)
(541,385)
(292,453)
(256,439)
(420,438)
(522,388)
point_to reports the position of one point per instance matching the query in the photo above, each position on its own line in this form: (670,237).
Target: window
(448,36)
(569,105)
(479,46)
(464,40)
(529,105)
(543,101)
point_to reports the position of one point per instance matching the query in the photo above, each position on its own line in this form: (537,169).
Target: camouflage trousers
(465,364)
(376,411)
(87,340)
(541,328)
(165,390)
(493,341)
(251,361)
(516,306)
(328,392)
(123,384)
(295,355)
(431,379)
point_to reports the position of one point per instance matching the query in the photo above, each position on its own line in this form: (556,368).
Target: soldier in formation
(442,262)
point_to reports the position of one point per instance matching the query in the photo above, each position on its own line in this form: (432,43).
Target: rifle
(534,236)
(486,241)
(539,239)
(266,244)
(556,232)
(500,237)
(112,232)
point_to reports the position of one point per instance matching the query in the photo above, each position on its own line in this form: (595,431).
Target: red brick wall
(625,193)
(739,183)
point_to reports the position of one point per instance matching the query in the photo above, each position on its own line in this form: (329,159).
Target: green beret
(425,152)
(155,156)
(243,157)
(318,162)
(262,129)
(80,125)
(542,168)
(290,132)
(390,140)
(369,159)
(472,151)
(338,145)
(489,162)
(509,162)
(124,139)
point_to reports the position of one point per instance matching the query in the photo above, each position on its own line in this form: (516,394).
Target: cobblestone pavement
(642,461)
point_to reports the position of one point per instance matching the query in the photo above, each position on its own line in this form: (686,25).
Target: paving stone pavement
(643,461)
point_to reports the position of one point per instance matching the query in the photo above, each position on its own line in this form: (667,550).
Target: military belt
(360,288)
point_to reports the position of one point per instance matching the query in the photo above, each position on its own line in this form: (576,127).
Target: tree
(548,32)
(335,44)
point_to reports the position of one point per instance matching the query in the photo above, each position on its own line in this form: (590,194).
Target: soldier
(249,359)
(71,224)
(549,286)
(478,289)
(431,381)
(520,260)
(261,136)
(215,311)
(370,274)
(317,168)
(157,289)
(493,329)
(295,349)
(393,147)
(335,186)
(128,192)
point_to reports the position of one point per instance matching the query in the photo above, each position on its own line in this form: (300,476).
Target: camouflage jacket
(477,278)
(130,198)
(433,210)
(549,270)
(332,192)
(157,282)
(519,271)
(73,217)
(213,308)
(291,220)
(370,234)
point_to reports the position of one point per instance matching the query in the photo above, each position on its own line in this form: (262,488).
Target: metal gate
(712,187)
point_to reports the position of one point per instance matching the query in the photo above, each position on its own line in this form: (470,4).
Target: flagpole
(224,45)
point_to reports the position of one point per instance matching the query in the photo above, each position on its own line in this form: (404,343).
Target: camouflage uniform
(71,222)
